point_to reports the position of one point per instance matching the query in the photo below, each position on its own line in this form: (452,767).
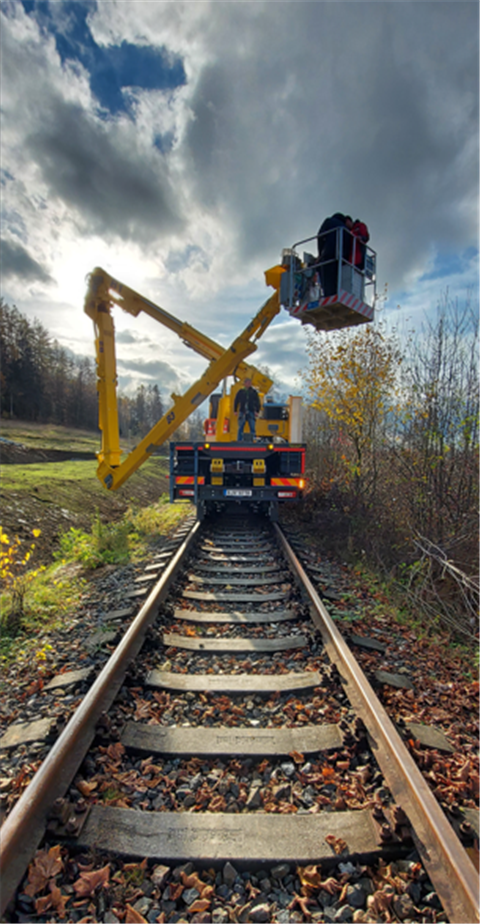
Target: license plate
(237,492)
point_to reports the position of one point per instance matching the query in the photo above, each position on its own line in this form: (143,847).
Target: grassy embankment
(82,526)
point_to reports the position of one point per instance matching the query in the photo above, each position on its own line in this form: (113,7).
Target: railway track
(232,660)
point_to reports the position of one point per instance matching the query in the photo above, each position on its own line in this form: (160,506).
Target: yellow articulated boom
(104,293)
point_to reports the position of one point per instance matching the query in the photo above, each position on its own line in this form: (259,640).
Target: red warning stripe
(284,481)
(189,479)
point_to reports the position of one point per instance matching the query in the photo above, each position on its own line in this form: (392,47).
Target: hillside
(48,482)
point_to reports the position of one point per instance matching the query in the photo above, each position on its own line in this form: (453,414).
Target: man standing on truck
(247,407)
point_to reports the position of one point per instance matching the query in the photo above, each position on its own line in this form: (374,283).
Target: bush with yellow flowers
(15,578)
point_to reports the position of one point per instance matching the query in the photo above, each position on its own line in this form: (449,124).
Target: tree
(438,452)
(353,380)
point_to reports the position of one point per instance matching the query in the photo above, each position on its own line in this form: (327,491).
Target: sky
(182,145)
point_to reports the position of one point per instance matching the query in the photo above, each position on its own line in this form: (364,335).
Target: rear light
(287,494)
(185,492)
(301,483)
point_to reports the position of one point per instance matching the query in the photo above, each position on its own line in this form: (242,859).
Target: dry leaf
(175,891)
(88,882)
(311,878)
(192,882)
(331,886)
(199,905)
(379,903)
(58,900)
(297,757)
(85,788)
(46,865)
(116,751)
(41,904)
(337,843)
(134,917)
(217,804)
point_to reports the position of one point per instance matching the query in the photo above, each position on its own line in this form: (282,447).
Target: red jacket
(360,231)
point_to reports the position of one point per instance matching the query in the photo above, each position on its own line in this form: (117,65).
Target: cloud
(154,371)
(17,262)
(373,118)
(182,146)
(95,168)
(112,69)
(127,336)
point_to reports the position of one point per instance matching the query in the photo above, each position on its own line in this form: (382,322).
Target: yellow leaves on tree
(352,379)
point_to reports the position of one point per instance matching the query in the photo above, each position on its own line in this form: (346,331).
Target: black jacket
(327,244)
(247,400)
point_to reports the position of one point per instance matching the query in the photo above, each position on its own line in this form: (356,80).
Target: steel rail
(448,865)
(24,827)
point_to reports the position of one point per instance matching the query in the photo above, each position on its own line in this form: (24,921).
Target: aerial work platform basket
(328,293)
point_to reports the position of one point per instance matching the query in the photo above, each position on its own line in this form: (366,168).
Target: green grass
(26,477)
(55,474)
(109,527)
(53,592)
(49,597)
(49,436)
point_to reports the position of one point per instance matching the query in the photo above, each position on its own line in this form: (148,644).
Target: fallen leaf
(46,865)
(331,886)
(310,877)
(192,882)
(58,900)
(87,883)
(217,804)
(379,903)
(199,905)
(337,843)
(85,788)
(134,917)
(175,891)
(41,904)
(297,757)
(116,751)
(302,902)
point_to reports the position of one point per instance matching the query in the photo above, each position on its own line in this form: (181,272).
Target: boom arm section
(103,293)
(104,289)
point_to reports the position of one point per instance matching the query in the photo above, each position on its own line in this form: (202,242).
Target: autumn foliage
(392,436)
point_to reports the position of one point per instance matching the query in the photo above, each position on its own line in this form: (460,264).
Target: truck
(221,472)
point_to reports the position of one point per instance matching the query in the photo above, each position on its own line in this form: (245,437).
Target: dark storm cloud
(16,261)
(368,108)
(90,165)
